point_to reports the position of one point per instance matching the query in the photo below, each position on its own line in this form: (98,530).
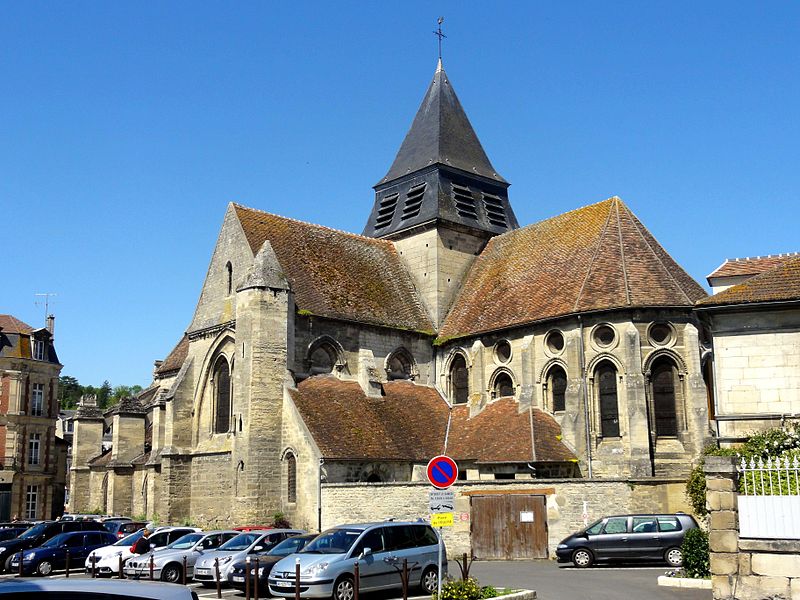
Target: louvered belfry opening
(414,200)
(386,210)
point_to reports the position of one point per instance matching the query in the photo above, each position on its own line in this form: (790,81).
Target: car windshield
(595,527)
(187,541)
(288,546)
(333,541)
(129,540)
(34,531)
(111,526)
(56,541)
(241,542)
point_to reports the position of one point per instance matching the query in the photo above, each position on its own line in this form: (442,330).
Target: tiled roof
(752,265)
(409,424)
(175,358)
(336,274)
(11,324)
(100,460)
(599,257)
(781,283)
(149,396)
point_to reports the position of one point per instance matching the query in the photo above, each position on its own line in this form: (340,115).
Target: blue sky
(126,128)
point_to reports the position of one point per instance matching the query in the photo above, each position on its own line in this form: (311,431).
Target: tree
(69,391)
(104,394)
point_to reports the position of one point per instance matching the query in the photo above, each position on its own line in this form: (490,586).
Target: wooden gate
(509,526)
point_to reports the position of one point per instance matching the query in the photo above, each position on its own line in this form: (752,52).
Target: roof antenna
(440,35)
(46,301)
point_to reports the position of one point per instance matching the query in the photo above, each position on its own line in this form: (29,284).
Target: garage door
(508,526)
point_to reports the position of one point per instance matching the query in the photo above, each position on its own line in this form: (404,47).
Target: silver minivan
(327,562)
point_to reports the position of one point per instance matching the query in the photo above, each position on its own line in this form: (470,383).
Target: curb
(684,582)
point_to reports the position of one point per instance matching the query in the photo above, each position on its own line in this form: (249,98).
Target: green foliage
(96,511)
(488,591)
(140,517)
(696,554)
(155,519)
(460,589)
(70,391)
(104,394)
(187,522)
(280,521)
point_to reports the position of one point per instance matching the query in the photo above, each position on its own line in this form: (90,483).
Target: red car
(252,527)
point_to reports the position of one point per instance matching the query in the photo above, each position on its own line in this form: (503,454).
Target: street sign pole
(439,572)
(442,472)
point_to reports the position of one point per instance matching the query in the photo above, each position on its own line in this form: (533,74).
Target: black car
(122,528)
(266,560)
(630,538)
(39,534)
(53,553)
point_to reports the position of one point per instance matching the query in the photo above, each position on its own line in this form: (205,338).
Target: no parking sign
(442,471)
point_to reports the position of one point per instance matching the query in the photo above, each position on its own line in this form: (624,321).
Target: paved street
(550,580)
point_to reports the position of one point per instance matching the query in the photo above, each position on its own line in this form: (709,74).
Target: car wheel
(171,574)
(429,581)
(8,563)
(344,588)
(582,558)
(674,557)
(45,567)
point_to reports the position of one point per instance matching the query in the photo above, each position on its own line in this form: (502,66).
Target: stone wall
(212,489)
(352,503)
(741,568)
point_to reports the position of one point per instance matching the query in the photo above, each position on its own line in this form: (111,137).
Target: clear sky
(126,128)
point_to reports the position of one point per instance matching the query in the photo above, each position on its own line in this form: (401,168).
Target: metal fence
(769,498)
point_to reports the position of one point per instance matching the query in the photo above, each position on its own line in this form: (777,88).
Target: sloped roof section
(599,257)
(339,275)
(779,284)
(11,324)
(441,134)
(409,423)
(752,265)
(176,357)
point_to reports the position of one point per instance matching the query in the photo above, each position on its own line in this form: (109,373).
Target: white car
(108,556)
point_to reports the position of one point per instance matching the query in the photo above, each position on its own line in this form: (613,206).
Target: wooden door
(508,526)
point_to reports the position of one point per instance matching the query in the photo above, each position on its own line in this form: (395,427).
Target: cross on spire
(438,33)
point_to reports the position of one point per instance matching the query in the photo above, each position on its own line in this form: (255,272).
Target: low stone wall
(742,568)
(364,502)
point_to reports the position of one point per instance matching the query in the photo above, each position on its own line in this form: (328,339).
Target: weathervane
(440,35)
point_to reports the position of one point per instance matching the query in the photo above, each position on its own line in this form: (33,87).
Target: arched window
(291,478)
(606,378)
(229,271)
(503,386)
(557,385)
(323,358)
(374,478)
(400,365)
(459,380)
(222,393)
(662,379)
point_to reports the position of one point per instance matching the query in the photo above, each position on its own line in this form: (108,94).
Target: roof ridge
(748,284)
(656,256)
(594,257)
(622,255)
(746,258)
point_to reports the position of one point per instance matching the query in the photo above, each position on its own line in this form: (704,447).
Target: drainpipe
(319,495)
(585,399)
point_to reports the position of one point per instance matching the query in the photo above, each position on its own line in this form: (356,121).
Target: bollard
(355,581)
(255,582)
(184,570)
(219,583)
(247,578)
(405,579)
(151,567)
(20,564)
(121,572)
(296,579)
(66,565)
(94,566)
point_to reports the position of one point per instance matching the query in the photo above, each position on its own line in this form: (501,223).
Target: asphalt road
(550,580)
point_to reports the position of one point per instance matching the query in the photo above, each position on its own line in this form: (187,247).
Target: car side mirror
(365,552)
(152,546)
(258,548)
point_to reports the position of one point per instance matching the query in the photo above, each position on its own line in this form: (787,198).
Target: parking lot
(550,580)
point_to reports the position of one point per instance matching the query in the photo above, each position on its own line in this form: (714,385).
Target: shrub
(696,554)
(280,521)
(488,591)
(461,589)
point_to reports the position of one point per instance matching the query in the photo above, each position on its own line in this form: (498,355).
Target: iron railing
(771,477)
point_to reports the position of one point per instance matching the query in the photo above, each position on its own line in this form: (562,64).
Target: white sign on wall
(526,516)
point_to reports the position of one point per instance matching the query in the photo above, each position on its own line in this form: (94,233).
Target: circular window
(604,336)
(660,334)
(502,350)
(555,342)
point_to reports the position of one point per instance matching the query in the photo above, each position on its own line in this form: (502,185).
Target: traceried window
(37,399)
(503,386)
(323,358)
(400,365)
(291,478)
(662,379)
(222,393)
(34,442)
(557,386)
(31,501)
(459,380)
(606,381)
(38,350)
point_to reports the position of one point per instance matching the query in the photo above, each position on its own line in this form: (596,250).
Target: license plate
(238,578)
(283,583)
(204,571)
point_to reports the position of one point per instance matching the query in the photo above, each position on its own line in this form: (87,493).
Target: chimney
(51,324)
(156,366)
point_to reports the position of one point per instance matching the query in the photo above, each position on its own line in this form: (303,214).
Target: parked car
(108,557)
(39,534)
(266,560)
(168,562)
(252,527)
(326,563)
(79,517)
(9,533)
(655,537)
(83,589)
(52,554)
(236,548)
(123,528)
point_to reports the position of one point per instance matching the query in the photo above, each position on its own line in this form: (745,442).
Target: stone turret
(87,442)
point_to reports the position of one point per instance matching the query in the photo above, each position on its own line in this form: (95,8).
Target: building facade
(31,482)
(565,349)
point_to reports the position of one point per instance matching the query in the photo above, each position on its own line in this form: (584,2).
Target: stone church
(566,349)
